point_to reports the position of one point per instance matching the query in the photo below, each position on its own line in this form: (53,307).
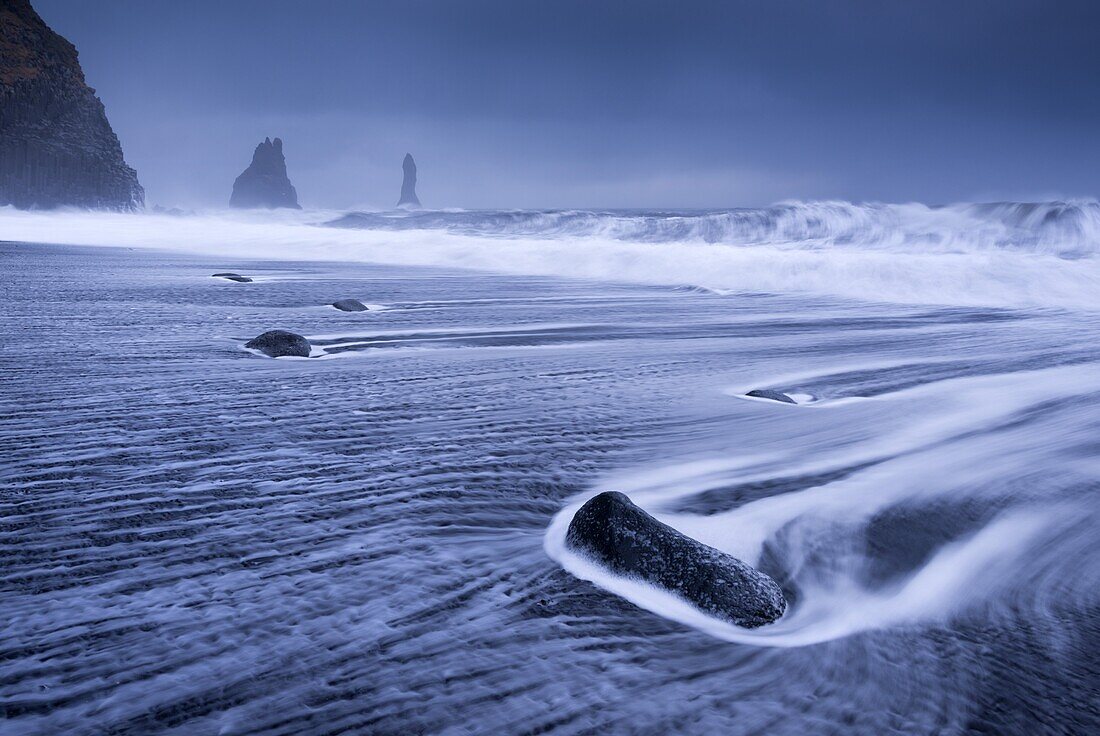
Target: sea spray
(1003,255)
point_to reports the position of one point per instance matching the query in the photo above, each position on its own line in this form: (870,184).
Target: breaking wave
(1006,254)
(1067,229)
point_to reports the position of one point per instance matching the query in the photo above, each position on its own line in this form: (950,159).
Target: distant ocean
(196,539)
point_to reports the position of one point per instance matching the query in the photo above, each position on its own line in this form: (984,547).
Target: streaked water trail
(890,471)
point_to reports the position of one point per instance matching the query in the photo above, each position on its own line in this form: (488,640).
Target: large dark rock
(408,199)
(350,305)
(264,184)
(277,343)
(56,146)
(767,393)
(618,535)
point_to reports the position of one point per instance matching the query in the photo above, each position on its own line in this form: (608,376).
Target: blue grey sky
(601,104)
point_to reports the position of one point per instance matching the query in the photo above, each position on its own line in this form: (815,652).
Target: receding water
(198,540)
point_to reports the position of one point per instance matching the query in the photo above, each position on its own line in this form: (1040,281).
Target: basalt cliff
(56,146)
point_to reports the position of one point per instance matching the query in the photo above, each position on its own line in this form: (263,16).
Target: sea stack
(264,184)
(408,199)
(56,147)
(614,533)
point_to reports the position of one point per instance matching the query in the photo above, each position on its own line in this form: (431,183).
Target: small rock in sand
(767,393)
(277,343)
(233,277)
(350,305)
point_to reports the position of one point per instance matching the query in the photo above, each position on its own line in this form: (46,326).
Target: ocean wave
(1000,255)
(1068,229)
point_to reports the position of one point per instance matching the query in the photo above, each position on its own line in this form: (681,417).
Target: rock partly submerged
(767,393)
(232,277)
(277,343)
(350,305)
(618,535)
(264,184)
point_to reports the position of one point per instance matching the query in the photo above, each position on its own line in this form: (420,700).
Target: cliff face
(56,146)
(408,199)
(265,183)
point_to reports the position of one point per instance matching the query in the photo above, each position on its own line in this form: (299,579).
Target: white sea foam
(1004,255)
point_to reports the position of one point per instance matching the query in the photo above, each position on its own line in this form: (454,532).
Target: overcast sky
(601,104)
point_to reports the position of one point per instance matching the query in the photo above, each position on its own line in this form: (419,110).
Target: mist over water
(1010,254)
(200,540)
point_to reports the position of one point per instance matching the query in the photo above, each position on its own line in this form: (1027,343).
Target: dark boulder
(408,199)
(767,393)
(264,184)
(233,277)
(616,534)
(277,343)
(56,146)
(350,305)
